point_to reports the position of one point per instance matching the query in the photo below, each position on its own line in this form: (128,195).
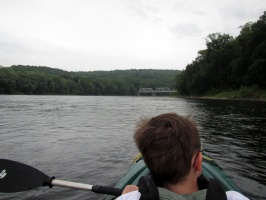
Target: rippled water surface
(88,139)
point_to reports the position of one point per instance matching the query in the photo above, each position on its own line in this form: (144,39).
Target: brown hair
(167,143)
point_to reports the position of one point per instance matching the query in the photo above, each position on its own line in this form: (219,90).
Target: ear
(198,162)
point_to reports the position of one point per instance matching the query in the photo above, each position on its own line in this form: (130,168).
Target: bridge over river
(155,91)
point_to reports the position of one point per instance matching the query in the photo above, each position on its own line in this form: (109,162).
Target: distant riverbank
(250,93)
(233,98)
(244,93)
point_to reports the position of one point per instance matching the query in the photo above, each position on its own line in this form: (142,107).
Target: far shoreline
(262,99)
(224,98)
(244,93)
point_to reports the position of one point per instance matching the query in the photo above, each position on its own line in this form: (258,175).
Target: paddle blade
(17,177)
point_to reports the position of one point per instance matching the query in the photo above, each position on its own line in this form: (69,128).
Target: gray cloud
(137,8)
(199,13)
(115,33)
(186,30)
(240,14)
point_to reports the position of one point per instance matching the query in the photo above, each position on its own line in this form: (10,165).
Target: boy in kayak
(171,148)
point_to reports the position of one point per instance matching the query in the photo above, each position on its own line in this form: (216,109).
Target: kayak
(18,177)
(210,169)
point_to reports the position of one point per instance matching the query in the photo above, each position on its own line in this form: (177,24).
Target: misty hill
(19,79)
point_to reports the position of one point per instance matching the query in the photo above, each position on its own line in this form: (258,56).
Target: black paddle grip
(107,190)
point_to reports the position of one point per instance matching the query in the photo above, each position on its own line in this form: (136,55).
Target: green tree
(7,80)
(219,54)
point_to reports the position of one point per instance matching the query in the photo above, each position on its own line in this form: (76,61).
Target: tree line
(20,79)
(228,63)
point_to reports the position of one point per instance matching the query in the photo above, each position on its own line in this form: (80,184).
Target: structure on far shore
(155,91)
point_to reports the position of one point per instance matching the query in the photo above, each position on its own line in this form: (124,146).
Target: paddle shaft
(94,188)
(73,185)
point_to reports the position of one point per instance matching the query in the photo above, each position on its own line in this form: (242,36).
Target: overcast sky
(89,35)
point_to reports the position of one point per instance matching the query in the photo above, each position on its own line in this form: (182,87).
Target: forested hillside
(228,63)
(44,80)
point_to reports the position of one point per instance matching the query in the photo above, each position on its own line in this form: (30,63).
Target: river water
(88,139)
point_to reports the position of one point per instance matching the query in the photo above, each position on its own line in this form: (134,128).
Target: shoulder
(168,195)
(135,195)
(233,195)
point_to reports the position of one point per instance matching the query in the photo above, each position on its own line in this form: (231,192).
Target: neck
(187,186)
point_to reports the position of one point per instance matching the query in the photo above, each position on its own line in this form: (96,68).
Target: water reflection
(234,133)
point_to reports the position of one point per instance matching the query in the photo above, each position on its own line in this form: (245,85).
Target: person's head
(168,143)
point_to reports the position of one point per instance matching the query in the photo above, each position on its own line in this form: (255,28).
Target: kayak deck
(210,169)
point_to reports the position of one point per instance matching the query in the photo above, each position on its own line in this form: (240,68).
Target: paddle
(17,177)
